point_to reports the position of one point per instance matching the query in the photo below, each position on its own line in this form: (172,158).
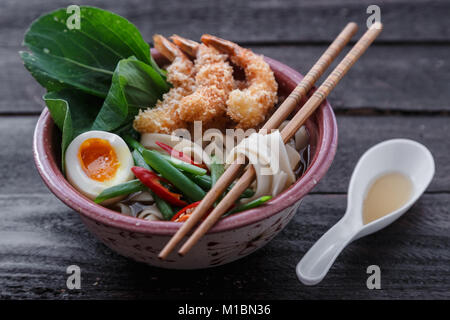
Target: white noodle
(124,209)
(293,155)
(151,213)
(272,162)
(143,196)
(301,138)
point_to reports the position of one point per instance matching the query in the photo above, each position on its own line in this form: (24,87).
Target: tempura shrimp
(249,106)
(163,118)
(213,80)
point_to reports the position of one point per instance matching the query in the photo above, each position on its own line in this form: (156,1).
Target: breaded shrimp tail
(248,106)
(163,118)
(213,80)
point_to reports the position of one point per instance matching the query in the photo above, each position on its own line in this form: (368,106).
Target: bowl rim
(57,183)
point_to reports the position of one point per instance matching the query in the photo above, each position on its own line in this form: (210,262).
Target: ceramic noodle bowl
(231,238)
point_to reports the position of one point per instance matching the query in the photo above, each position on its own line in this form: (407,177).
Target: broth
(387,194)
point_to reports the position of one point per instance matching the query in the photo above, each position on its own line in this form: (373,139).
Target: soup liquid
(388,193)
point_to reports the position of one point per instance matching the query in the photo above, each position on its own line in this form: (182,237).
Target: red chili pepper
(183,215)
(153,182)
(178,154)
(183,210)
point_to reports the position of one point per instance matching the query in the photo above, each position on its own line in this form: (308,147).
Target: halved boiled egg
(96,160)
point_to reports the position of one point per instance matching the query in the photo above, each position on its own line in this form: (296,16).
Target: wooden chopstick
(287,133)
(274,122)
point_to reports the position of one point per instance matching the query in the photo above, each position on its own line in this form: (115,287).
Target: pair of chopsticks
(274,122)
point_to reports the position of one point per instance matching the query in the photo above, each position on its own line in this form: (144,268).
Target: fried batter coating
(248,106)
(163,118)
(214,81)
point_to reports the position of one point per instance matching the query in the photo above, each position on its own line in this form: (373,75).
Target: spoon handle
(313,267)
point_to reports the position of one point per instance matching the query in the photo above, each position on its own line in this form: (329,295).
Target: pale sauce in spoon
(387,194)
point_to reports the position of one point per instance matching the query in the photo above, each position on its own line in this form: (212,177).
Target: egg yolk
(98,159)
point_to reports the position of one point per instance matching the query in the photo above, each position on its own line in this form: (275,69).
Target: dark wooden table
(399,89)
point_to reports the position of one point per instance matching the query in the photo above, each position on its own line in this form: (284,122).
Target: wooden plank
(406,78)
(356,134)
(253,20)
(18,173)
(20,91)
(359,133)
(406,72)
(41,237)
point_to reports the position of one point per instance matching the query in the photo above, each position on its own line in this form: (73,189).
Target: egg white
(77,177)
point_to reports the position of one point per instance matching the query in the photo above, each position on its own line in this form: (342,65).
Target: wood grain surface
(398,89)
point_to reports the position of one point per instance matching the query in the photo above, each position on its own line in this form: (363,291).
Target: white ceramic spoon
(398,155)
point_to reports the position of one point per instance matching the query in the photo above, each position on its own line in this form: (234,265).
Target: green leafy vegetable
(162,72)
(97,76)
(73,112)
(134,85)
(82,58)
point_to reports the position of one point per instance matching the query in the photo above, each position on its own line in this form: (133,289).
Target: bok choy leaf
(73,112)
(134,85)
(82,58)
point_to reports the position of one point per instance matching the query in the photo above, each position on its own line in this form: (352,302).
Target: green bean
(175,176)
(119,190)
(203,181)
(134,144)
(164,207)
(206,180)
(248,193)
(180,164)
(217,170)
(250,205)
(139,160)
(177,163)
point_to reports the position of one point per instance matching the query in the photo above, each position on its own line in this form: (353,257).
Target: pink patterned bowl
(231,238)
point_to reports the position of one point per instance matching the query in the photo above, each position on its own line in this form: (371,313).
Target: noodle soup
(121,153)
(232,238)
(142,204)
